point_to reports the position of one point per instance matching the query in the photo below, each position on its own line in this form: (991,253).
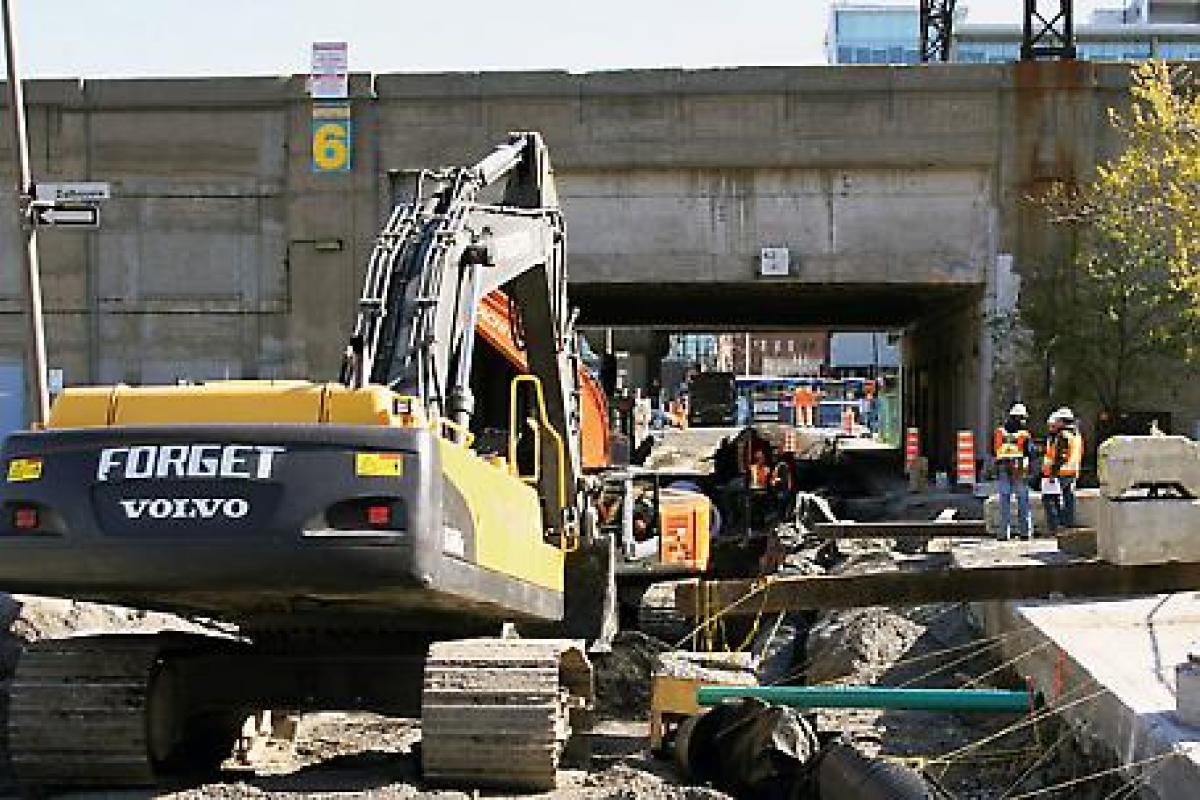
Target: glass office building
(873,33)
(878,33)
(981,44)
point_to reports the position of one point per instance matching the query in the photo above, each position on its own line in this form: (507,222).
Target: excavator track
(498,712)
(77,712)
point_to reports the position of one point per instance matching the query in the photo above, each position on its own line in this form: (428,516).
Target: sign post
(31,275)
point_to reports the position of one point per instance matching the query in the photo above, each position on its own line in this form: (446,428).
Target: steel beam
(1048,30)
(937,29)
(916,529)
(1078,578)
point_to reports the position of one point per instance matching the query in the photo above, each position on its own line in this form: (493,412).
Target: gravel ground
(362,754)
(368,755)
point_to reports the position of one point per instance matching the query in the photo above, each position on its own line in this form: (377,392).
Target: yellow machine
(347,530)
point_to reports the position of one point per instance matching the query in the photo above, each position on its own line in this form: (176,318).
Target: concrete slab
(1110,666)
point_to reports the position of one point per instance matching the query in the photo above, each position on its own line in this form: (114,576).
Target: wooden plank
(1060,577)
(963,528)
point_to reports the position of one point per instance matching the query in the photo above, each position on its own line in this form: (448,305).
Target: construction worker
(641,417)
(759,470)
(805,400)
(1012,448)
(1060,469)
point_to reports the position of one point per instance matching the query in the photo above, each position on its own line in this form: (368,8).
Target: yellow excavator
(351,542)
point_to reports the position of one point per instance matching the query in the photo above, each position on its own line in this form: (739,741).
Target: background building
(783,353)
(863,354)
(877,33)
(873,33)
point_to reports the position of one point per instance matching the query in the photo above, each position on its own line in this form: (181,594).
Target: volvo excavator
(350,545)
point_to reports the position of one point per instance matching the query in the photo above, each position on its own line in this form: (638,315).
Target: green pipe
(983,700)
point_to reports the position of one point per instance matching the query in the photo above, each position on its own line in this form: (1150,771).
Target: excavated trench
(931,646)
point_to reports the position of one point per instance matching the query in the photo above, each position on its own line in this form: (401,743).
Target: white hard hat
(1018,410)
(1065,414)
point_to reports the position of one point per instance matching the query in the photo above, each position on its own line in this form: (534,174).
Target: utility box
(774,262)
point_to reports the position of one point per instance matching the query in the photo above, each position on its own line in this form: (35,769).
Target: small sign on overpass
(65,215)
(76,192)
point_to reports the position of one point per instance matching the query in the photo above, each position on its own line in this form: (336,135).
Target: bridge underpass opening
(945,363)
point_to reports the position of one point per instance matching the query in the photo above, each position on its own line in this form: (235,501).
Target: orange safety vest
(1008,445)
(760,474)
(1072,458)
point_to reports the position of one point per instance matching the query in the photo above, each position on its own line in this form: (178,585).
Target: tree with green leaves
(1123,311)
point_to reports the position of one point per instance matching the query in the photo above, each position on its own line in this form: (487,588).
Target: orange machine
(494,324)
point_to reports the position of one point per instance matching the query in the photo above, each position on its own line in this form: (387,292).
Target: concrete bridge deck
(897,191)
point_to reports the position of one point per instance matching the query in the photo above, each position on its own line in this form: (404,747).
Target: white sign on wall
(77,192)
(773,261)
(330,71)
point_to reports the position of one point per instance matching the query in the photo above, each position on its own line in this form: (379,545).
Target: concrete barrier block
(1087,510)
(1124,462)
(1148,531)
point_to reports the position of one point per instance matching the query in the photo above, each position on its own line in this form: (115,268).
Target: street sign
(330,71)
(65,215)
(75,192)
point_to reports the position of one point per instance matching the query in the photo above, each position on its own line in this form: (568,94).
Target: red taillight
(379,516)
(25,518)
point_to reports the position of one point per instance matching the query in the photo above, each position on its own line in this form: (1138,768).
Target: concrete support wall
(892,188)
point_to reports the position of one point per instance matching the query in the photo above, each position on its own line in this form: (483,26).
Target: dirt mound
(623,676)
(862,643)
(623,782)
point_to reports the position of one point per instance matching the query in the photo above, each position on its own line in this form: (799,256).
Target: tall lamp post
(35,352)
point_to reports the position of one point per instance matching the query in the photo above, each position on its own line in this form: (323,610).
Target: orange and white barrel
(964,459)
(912,447)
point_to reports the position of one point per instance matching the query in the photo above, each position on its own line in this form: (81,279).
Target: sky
(154,38)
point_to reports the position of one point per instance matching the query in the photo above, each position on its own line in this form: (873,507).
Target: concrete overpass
(896,190)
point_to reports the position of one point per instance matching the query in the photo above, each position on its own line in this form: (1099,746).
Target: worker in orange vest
(760,470)
(1061,462)
(1012,449)
(805,400)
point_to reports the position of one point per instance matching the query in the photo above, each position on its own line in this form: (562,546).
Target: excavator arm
(444,249)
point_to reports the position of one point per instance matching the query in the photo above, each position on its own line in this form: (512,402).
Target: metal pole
(36,351)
